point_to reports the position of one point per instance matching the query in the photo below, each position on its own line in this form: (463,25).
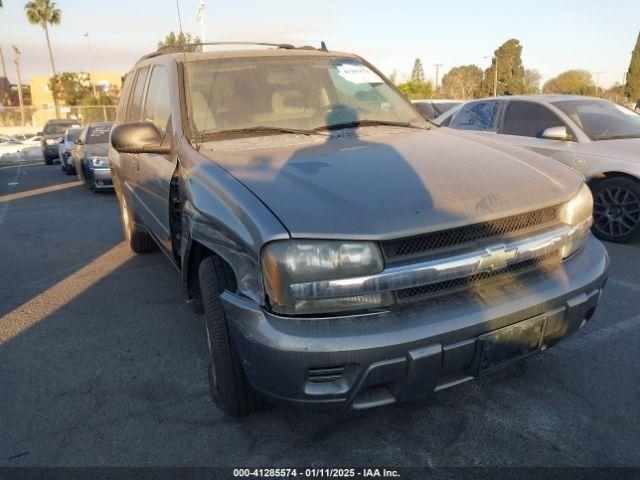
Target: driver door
(522,125)
(153,172)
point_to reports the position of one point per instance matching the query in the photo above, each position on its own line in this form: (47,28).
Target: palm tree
(45,13)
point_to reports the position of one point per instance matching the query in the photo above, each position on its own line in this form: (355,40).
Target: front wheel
(616,209)
(228,384)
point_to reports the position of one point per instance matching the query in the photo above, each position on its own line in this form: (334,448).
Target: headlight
(288,262)
(99,161)
(51,141)
(578,213)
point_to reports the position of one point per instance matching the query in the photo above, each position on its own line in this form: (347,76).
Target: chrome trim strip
(493,258)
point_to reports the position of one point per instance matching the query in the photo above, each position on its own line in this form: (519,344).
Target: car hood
(621,149)
(96,150)
(379,183)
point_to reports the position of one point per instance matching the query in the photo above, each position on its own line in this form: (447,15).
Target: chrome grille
(452,286)
(408,250)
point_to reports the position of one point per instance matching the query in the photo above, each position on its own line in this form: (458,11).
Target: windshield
(301,93)
(56,128)
(98,134)
(601,119)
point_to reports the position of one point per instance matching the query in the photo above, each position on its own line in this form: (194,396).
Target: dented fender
(221,214)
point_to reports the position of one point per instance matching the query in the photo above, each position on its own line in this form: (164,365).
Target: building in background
(42,99)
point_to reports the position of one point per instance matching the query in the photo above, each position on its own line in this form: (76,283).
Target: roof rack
(175,49)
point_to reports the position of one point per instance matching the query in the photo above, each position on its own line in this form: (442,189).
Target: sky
(557,35)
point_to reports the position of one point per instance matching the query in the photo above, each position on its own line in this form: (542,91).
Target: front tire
(228,384)
(138,241)
(616,209)
(70,170)
(48,160)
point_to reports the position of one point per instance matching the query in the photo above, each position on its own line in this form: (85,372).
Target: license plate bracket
(509,344)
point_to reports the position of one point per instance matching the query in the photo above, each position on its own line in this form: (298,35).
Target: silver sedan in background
(597,137)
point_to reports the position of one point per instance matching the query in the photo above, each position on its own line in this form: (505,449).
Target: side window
(477,116)
(528,119)
(133,115)
(157,106)
(124,97)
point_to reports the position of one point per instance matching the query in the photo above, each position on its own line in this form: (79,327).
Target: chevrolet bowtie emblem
(496,257)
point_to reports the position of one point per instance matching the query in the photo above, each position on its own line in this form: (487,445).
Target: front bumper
(99,177)
(363,361)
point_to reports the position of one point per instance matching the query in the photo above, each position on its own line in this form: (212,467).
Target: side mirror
(556,133)
(139,137)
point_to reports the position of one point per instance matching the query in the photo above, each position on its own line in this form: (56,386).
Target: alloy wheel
(616,211)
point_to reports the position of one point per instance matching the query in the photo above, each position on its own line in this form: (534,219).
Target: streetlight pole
(597,74)
(93,72)
(16,61)
(495,77)
(437,65)
(201,21)
(4,68)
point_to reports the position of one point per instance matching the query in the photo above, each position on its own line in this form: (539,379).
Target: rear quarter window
(477,116)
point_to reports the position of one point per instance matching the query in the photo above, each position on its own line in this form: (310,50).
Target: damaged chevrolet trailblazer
(345,252)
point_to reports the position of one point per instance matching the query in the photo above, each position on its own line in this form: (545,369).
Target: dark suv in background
(52,133)
(345,253)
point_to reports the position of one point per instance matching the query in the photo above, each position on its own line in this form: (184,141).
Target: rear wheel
(228,384)
(48,160)
(616,209)
(139,241)
(69,169)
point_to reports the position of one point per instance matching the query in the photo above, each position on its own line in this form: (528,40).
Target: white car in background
(597,137)
(9,146)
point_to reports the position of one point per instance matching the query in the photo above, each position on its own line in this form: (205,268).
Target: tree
(45,13)
(180,42)
(632,88)
(415,90)
(70,87)
(417,75)
(571,82)
(98,114)
(510,70)
(532,79)
(462,82)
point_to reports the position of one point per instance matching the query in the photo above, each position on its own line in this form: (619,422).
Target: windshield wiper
(366,123)
(614,137)
(266,128)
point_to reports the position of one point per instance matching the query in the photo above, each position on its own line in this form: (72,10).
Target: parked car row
(345,252)
(82,151)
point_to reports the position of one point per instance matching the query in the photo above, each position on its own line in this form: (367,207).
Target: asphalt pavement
(102,363)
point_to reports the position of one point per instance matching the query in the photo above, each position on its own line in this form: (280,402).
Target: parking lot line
(37,191)
(44,304)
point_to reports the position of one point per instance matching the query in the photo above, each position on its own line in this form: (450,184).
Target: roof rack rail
(179,49)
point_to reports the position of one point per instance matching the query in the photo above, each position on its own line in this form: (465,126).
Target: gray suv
(345,252)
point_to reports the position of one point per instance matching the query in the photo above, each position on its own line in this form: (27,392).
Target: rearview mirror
(556,133)
(139,137)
